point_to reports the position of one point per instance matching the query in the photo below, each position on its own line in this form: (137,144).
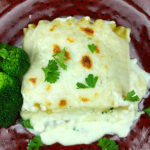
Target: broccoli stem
(3,53)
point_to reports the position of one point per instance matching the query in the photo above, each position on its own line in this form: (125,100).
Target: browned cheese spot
(33,80)
(123,96)
(48,88)
(67,55)
(88,31)
(56,49)
(62,103)
(37,105)
(97,50)
(86,62)
(70,40)
(84,99)
(52,28)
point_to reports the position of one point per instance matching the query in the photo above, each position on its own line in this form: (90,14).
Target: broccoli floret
(10,99)
(5,45)
(10,108)
(8,84)
(15,61)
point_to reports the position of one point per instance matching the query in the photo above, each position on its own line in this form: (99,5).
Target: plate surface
(135,14)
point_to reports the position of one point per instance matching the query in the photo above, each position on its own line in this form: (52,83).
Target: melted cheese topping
(62,113)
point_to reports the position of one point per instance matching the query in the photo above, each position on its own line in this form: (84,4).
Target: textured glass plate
(135,14)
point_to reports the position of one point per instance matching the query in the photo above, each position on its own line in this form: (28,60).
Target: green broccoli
(10,99)
(15,61)
(6,46)
(8,83)
(9,109)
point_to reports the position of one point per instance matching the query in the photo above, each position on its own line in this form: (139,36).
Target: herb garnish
(147,110)
(51,72)
(90,81)
(92,47)
(89,38)
(26,123)
(35,143)
(107,144)
(131,97)
(60,59)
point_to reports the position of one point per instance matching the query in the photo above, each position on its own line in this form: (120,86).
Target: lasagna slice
(97,49)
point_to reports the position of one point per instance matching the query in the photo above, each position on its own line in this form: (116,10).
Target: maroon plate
(135,14)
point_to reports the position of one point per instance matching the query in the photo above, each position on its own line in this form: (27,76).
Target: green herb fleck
(90,81)
(26,123)
(108,111)
(51,72)
(74,128)
(92,47)
(60,59)
(81,86)
(89,38)
(35,143)
(132,97)
(147,110)
(107,144)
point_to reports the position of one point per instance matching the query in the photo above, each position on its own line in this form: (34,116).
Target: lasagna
(87,98)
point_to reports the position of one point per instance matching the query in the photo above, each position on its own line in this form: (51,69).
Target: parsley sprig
(131,96)
(35,143)
(60,59)
(147,110)
(51,71)
(92,47)
(90,81)
(107,144)
(26,123)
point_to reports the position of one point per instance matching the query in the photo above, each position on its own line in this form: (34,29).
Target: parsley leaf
(92,47)
(132,97)
(26,123)
(147,110)
(90,81)
(81,86)
(51,72)
(107,144)
(60,58)
(35,143)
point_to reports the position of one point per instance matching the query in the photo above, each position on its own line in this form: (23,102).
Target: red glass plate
(135,14)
